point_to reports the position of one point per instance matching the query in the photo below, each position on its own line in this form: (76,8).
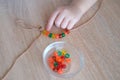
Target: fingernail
(47,28)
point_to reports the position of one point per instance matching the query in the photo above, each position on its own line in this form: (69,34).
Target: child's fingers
(52,19)
(64,23)
(59,19)
(71,24)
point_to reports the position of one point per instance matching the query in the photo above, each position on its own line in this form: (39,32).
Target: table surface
(99,40)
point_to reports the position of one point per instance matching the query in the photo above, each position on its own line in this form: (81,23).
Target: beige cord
(76,27)
(14,61)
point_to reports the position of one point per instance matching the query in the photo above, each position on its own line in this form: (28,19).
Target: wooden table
(99,40)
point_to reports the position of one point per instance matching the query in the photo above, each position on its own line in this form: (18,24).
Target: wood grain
(99,40)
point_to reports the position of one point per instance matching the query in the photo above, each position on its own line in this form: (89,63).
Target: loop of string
(24,25)
(38,28)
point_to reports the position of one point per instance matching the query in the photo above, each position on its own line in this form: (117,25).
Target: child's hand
(67,17)
(64,17)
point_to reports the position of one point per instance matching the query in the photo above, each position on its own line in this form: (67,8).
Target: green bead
(55,64)
(67,55)
(50,35)
(63,34)
(59,53)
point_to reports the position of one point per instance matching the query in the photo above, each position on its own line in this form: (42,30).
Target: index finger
(52,19)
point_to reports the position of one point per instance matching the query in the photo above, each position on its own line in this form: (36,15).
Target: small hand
(64,17)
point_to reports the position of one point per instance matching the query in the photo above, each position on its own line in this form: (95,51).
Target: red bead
(63,66)
(67,31)
(58,67)
(60,35)
(53,57)
(62,57)
(55,69)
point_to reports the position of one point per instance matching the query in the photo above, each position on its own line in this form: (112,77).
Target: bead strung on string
(55,36)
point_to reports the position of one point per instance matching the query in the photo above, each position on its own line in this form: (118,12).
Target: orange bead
(60,71)
(50,60)
(51,65)
(47,33)
(68,60)
(58,59)
(57,36)
(55,53)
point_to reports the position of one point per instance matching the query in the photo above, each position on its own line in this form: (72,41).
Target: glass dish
(77,59)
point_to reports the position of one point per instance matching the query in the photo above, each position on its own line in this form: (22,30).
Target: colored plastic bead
(60,35)
(59,53)
(55,64)
(58,67)
(55,69)
(58,59)
(58,62)
(63,66)
(45,32)
(50,60)
(64,52)
(60,71)
(68,60)
(53,57)
(63,34)
(53,36)
(55,53)
(51,66)
(50,35)
(66,31)
(67,55)
(57,36)
(62,57)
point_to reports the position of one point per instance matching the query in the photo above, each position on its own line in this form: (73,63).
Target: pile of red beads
(59,60)
(55,36)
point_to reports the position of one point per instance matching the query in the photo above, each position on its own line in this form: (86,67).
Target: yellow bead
(53,36)
(44,32)
(64,52)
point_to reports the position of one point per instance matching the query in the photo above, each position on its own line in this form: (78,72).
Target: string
(24,25)
(39,28)
(17,57)
(76,27)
